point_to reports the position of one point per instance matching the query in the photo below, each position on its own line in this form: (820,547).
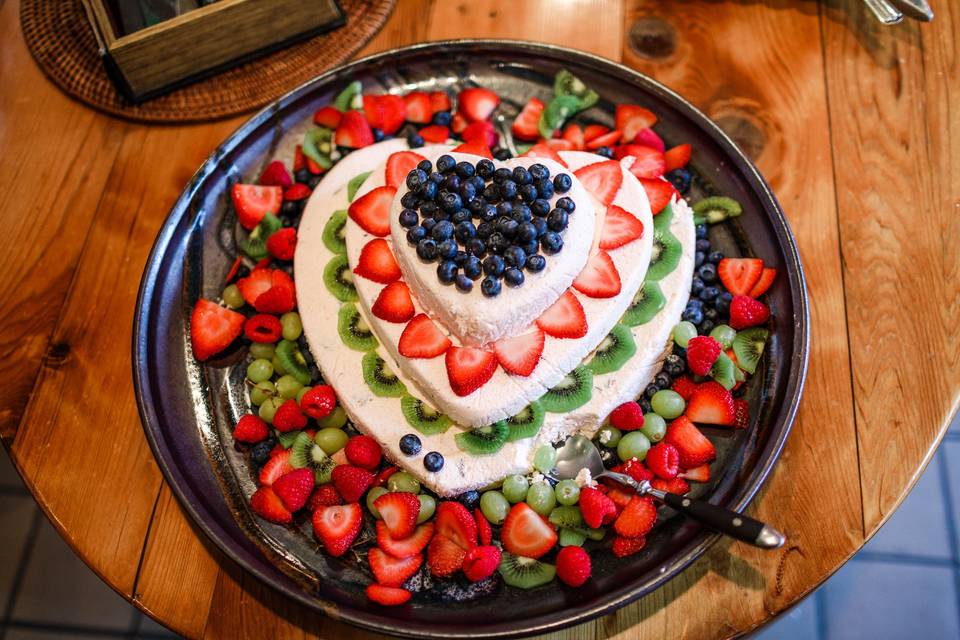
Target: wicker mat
(63,44)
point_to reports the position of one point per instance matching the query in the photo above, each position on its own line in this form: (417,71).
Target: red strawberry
(673,485)
(606,140)
(268,290)
(399,164)
(377,262)
(525,126)
(282,243)
(526,533)
(647,162)
(740,275)
(294,488)
(394,303)
(351,482)
(458,123)
(599,278)
(573,134)
(234,269)
(766,279)
(213,328)
(636,470)
(627,417)
(328,116)
(521,354)
(601,179)
(277,299)
(659,193)
(711,404)
(399,511)
(372,210)
(480,133)
(597,509)
(469,368)
(384,476)
(252,202)
(620,227)
(258,282)
(544,151)
(476,104)
(697,474)
(484,532)
(649,138)
(475,149)
(422,339)
(664,460)
(684,386)
(439,101)
(313,167)
(741,414)
(390,571)
(319,401)
(573,566)
(637,519)
(619,495)
(353,131)
(387,596)
(275,175)
(250,429)
(564,318)
(677,157)
(404,547)
(702,352)
(481,562)
(278,465)
(337,527)
(363,451)
(325,495)
(623,547)
(418,105)
(298,158)
(559,144)
(268,505)
(455,534)
(297,192)
(289,417)
(435,133)
(631,119)
(592,131)
(747,312)
(386,112)
(694,447)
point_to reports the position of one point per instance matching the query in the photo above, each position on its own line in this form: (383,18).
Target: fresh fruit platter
(406,284)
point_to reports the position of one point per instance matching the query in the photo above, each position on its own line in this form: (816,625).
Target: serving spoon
(579,453)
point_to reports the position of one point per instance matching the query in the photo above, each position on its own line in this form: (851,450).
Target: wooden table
(849,121)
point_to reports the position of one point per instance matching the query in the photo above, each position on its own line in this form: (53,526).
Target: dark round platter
(186,408)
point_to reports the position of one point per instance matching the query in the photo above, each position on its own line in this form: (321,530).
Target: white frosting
(584,479)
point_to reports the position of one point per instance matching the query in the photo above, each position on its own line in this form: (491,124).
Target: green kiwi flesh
(286,439)
(646,304)
(300,455)
(722,371)
(423,417)
(333,232)
(353,329)
(355,183)
(483,440)
(571,538)
(748,347)
(566,517)
(570,393)
(716,209)
(665,255)
(288,353)
(339,279)
(527,423)
(382,381)
(613,351)
(525,573)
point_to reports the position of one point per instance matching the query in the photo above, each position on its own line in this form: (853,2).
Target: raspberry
(627,417)
(363,451)
(319,401)
(623,547)
(481,562)
(289,417)
(702,352)
(664,460)
(282,243)
(250,429)
(747,312)
(262,327)
(573,566)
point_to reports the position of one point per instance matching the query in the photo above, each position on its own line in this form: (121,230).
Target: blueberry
(557,220)
(442,118)
(416,178)
(377,134)
(410,200)
(502,154)
(536,263)
(469,499)
(497,243)
(680,179)
(663,380)
(476,247)
(515,256)
(528,193)
(447,249)
(485,168)
(693,315)
(513,277)
(540,207)
(501,175)
(427,249)
(644,406)
(410,444)
(489,213)
(442,230)
(504,209)
(522,176)
(313,181)
(429,190)
(551,242)
(706,326)
(722,303)
(508,189)
(426,166)
(472,268)
(562,183)
(702,231)
(540,224)
(696,286)
(493,266)
(460,216)
(508,227)
(460,258)
(544,188)
(484,229)
(651,390)
(465,170)
(476,205)
(702,245)
(695,303)
(699,258)
(464,283)
(525,232)
(708,294)
(490,287)
(261,451)
(409,218)
(673,364)
(447,271)
(711,314)
(531,247)
(416,234)
(436,177)
(491,193)
(433,461)
(708,273)
(566,204)
(467,192)
(715,257)
(429,209)
(302,175)
(450,202)
(606,152)
(477,182)
(538,171)
(609,457)
(291,208)
(428,223)
(452,183)
(414,140)
(445,163)
(465,231)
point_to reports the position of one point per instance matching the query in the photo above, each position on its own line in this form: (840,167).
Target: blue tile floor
(904,584)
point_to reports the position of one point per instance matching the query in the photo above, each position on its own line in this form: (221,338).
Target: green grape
(263,350)
(541,498)
(427,506)
(633,445)
(259,370)
(568,492)
(723,334)
(515,488)
(336,419)
(608,436)
(288,387)
(232,296)
(683,331)
(494,507)
(261,391)
(654,427)
(403,481)
(301,393)
(668,404)
(278,366)
(372,495)
(269,408)
(291,325)
(545,458)
(331,439)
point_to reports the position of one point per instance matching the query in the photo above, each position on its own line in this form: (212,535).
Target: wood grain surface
(849,122)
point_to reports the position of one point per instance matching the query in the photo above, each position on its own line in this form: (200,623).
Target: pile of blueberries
(477,221)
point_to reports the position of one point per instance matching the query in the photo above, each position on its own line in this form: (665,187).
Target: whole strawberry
(702,352)
(251,429)
(294,488)
(573,566)
(747,312)
(289,417)
(627,417)
(363,451)
(351,482)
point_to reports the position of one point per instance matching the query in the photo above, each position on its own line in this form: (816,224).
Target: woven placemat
(63,44)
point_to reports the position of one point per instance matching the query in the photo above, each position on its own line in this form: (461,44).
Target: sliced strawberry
(475,149)
(685,387)
(384,476)
(649,138)
(377,262)
(337,527)
(458,123)
(434,133)
(387,596)
(394,303)
(404,547)
(455,533)
(647,162)
(697,474)
(694,447)
(620,227)
(399,164)
(296,192)
(294,488)
(476,104)
(597,508)
(328,116)
(573,134)
(637,519)
(277,466)
(390,571)
(268,505)
(213,328)
(619,495)
(521,354)
(599,278)
(711,404)
(747,312)
(631,119)
(659,193)
(766,279)
(275,175)
(526,533)
(399,511)
(418,105)
(592,131)
(740,275)
(387,112)
(559,144)
(480,133)
(637,470)
(601,179)
(673,485)
(623,547)
(606,140)
(278,299)
(484,532)
(421,338)
(741,413)
(326,495)
(564,318)
(439,101)
(298,157)
(268,290)
(444,556)
(481,562)
(677,157)
(469,368)
(544,151)
(313,167)
(351,482)
(525,126)
(252,202)
(372,210)
(353,131)
(664,460)
(282,244)
(234,270)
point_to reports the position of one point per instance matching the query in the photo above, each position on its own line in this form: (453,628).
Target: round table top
(849,122)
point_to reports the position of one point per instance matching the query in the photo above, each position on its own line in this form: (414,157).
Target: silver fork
(893,11)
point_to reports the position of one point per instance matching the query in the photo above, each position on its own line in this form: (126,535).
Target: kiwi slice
(591,534)
(255,245)
(339,279)
(353,330)
(322,469)
(613,351)
(748,347)
(292,361)
(382,381)
(722,371)
(716,209)
(566,517)
(423,417)
(646,304)
(525,573)
(350,97)
(665,255)
(571,538)
(300,455)
(333,232)
(527,423)
(287,438)
(483,440)
(573,391)
(355,183)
